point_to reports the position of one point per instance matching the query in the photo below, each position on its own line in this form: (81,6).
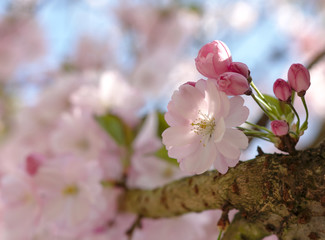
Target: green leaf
(290,118)
(281,107)
(114,126)
(163,154)
(162,124)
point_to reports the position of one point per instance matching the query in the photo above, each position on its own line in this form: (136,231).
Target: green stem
(262,99)
(306,109)
(258,126)
(258,92)
(298,119)
(219,237)
(258,101)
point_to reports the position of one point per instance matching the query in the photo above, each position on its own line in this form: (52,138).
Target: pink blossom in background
(232,83)
(92,54)
(72,196)
(191,226)
(201,132)
(279,127)
(146,170)
(109,92)
(112,230)
(33,162)
(79,134)
(213,59)
(21,41)
(282,90)
(21,206)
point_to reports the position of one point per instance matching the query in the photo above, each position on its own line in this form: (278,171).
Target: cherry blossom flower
(201,132)
(69,136)
(191,226)
(72,196)
(147,170)
(21,205)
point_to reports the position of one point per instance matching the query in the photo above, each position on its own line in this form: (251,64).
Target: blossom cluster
(62,171)
(202,118)
(205,123)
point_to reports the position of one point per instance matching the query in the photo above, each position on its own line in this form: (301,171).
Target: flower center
(204,125)
(70,190)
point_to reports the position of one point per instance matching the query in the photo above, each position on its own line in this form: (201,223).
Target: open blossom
(72,196)
(213,59)
(201,132)
(21,205)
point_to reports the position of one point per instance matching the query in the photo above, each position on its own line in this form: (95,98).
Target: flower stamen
(204,125)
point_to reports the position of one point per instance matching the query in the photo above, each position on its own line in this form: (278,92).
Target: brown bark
(274,193)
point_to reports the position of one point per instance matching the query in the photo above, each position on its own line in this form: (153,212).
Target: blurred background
(152,45)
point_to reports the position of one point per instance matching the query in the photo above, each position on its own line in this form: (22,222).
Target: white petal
(238,113)
(201,160)
(201,85)
(219,130)
(236,138)
(186,101)
(213,98)
(232,162)
(228,150)
(180,152)
(174,119)
(220,163)
(178,136)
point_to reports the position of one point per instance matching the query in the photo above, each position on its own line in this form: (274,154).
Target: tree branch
(277,193)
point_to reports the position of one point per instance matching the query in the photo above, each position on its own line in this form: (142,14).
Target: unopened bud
(299,78)
(279,127)
(232,83)
(213,59)
(33,162)
(239,67)
(282,90)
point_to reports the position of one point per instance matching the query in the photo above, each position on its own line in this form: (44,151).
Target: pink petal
(186,101)
(201,160)
(180,152)
(220,163)
(213,98)
(174,119)
(228,150)
(238,114)
(219,130)
(178,136)
(236,138)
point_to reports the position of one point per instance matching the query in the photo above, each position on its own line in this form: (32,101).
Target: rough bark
(274,193)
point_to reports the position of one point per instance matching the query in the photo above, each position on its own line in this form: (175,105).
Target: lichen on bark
(274,193)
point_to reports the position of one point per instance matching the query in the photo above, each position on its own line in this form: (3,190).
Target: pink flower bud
(239,67)
(213,59)
(299,78)
(282,90)
(232,83)
(279,127)
(33,162)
